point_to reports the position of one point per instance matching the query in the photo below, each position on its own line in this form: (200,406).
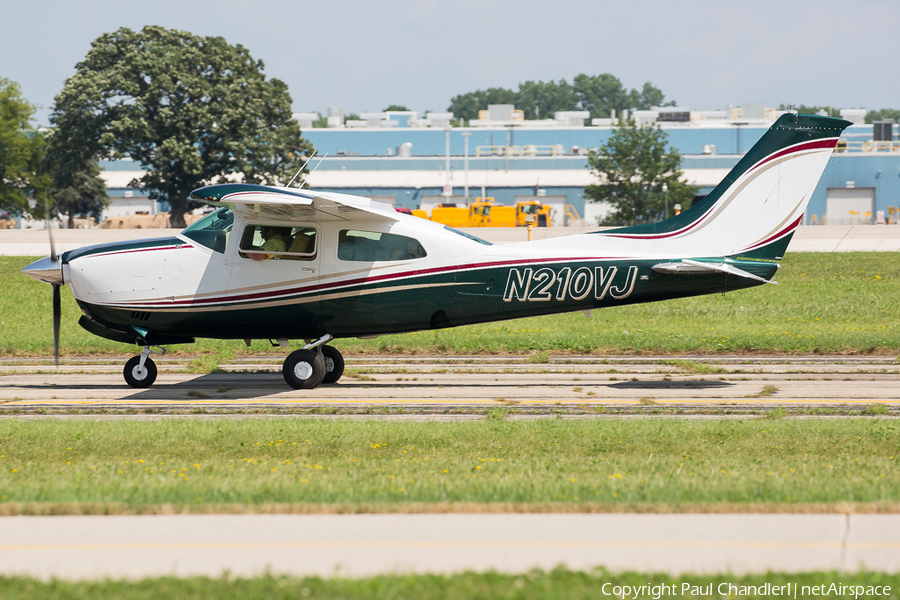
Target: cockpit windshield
(212,230)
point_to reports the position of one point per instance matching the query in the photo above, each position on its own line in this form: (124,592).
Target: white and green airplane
(285,263)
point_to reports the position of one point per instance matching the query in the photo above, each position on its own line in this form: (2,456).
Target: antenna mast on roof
(316,167)
(301,169)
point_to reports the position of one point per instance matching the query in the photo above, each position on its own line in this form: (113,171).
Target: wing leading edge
(266,202)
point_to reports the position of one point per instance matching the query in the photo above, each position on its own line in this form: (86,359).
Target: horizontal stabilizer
(695,266)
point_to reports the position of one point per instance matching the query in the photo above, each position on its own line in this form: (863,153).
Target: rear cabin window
(371,246)
(212,230)
(263,242)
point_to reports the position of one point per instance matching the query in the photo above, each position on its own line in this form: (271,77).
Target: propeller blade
(52,245)
(57,313)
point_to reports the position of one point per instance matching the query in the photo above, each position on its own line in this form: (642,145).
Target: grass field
(558,584)
(825,303)
(323,465)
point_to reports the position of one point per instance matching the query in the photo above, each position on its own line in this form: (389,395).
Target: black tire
(303,369)
(334,364)
(137,378)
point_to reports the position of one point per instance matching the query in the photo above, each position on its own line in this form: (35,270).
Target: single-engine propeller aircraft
(290,263)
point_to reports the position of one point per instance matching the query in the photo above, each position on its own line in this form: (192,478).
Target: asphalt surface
(459,382)
(84,547)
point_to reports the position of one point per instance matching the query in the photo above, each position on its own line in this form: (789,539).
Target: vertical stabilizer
(756,208)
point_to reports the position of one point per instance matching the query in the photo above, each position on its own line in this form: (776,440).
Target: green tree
(633,165)
(396,108)
(884,113)
(601,94)
(193,110)
(540,100)
(79,192)
(22,147)
(466,106)
(812,110)
(648,97)
(597,94)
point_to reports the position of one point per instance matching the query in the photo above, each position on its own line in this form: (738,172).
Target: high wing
(267,202)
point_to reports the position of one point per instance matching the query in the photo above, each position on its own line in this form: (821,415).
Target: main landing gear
(313,364)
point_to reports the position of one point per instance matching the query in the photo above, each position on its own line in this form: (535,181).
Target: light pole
(447,189)
(666,190)
(466,135)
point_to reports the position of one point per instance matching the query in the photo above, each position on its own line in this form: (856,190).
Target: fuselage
(206,286)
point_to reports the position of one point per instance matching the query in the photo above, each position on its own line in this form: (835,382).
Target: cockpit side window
(262,242)
(371,246)
(213,230)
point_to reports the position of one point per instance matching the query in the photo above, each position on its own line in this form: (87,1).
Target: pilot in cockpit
(275,240)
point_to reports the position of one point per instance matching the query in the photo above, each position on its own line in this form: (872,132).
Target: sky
(363,55)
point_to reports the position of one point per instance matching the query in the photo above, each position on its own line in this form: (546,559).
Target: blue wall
(432,142)
(879,171)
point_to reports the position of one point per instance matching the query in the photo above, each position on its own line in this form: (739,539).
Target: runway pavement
(442,383)
(83,547)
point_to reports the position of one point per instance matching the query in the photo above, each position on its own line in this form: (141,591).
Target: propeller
(57,304)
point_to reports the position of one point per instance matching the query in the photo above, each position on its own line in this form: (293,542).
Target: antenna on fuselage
(301,169)
(316,167)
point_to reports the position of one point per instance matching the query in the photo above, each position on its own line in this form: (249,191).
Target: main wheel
(303,369)
(137,377)
(334,364)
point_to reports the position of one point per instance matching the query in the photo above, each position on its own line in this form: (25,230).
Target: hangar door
(841,203)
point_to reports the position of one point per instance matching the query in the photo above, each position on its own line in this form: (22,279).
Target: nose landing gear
(140,371)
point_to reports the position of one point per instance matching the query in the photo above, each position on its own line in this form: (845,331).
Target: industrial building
(417,162)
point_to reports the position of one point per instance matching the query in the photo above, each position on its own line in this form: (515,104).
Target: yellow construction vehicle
(483,212)
(542,213)
(451,215)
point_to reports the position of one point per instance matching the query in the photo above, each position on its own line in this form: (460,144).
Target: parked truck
(485,212)
(543,213)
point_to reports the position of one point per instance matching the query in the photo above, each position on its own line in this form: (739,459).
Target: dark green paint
(788,130)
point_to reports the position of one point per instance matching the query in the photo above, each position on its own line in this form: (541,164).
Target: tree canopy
(633,166)
(597,94)
(75,188)
(192,110)
(884,113)
(22,147)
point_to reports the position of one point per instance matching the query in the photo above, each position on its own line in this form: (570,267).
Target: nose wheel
(140,371)
(138,375)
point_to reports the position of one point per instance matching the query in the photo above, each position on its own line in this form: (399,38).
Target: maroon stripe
(273,192)
(649,236)
(139,250)
(780,234)
(359,281)
(829,143)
